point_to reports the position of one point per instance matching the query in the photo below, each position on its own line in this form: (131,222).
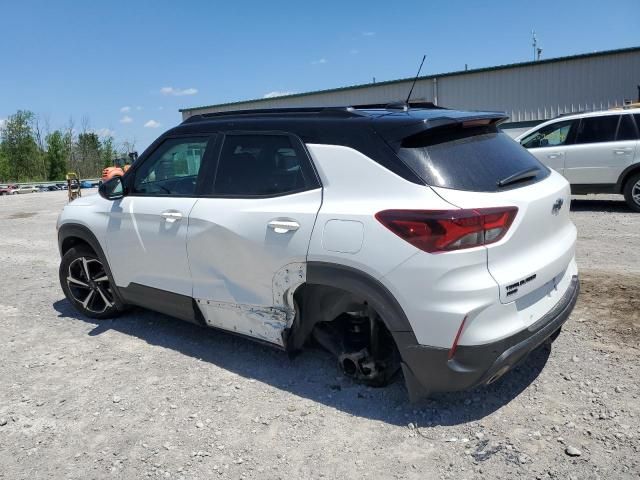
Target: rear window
(474,159)
(597,129)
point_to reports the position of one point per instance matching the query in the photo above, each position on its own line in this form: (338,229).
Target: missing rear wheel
(363,346)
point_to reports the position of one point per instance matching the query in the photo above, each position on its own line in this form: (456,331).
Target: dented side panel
(244,269)
(264,322)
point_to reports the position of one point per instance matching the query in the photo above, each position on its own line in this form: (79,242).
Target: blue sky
(127,64)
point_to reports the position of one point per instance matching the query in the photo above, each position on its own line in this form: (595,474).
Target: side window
(172,169)
(255,164)
(597,129)
(552,135)
(626,129)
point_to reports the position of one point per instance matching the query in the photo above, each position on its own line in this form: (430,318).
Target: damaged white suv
(399,238)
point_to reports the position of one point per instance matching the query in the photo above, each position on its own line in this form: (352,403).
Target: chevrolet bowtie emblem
(555,210)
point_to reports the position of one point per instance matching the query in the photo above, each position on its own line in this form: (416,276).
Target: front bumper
(429,370)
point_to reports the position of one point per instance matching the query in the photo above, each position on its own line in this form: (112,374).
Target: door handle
(171,216)
(554,155)
(622,151)
(283,226)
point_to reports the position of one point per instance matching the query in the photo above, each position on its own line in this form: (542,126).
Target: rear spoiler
(394,132)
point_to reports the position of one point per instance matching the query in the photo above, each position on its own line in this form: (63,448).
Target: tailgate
(540,244)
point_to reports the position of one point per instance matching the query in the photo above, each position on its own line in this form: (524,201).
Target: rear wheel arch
(626,175)
(631,189)
(333,289)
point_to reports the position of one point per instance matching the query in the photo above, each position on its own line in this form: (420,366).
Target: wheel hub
(89,284)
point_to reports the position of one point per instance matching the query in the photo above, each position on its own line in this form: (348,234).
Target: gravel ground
(149,396)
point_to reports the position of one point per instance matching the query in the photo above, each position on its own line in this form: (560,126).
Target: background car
(26,189)
(597,152)
(8,190)
(86,184)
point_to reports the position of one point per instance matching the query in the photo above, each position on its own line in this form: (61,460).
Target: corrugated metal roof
(426,77)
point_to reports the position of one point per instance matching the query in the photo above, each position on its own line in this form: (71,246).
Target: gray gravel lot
(149,396)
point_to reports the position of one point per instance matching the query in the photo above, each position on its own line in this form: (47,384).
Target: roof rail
(338,111)
(332,111)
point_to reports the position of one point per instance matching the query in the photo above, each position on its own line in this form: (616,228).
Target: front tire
(632,192)
(87,285)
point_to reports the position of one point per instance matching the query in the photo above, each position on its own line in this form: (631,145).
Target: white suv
(597,152)
(419,239)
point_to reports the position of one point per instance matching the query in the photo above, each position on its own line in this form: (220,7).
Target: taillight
(446,230)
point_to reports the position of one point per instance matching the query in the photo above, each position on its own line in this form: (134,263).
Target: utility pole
(534,44)
(537,51)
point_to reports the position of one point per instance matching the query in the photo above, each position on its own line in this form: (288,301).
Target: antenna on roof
(414,81)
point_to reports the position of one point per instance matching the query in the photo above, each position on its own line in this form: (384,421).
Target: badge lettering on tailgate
(513,288)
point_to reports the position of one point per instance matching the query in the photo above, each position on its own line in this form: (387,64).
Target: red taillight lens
(446,230)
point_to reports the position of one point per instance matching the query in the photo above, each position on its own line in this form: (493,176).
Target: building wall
(527,92)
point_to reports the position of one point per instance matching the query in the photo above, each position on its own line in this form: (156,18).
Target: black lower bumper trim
(429,370)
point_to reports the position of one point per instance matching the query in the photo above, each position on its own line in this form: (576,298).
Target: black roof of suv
(375,130)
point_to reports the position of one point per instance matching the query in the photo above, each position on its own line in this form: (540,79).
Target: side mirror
(112,189)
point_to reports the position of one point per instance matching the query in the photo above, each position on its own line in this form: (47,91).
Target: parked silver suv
(597,152)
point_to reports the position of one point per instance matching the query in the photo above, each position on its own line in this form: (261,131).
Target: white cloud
(126,119)
(319,62)
(368,34)
(277,93)
(152,124)
(3,122)
(178,92)
(138,107)
(160,108)
(104,132)
(125,109)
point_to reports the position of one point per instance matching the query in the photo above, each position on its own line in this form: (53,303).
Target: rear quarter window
(473,159)
(597,129)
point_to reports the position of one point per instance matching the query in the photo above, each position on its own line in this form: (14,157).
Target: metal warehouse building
(528,92)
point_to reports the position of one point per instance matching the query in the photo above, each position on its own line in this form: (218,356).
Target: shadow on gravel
(314,374)
(618,206)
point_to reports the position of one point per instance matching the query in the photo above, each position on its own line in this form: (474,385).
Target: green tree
(4,167)
(87,158)
(19,147)
(56,155)
(107,152)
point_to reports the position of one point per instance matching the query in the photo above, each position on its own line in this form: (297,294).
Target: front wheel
(632,192)
(87,285)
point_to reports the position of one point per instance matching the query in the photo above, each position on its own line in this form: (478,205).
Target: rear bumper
(429,370)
